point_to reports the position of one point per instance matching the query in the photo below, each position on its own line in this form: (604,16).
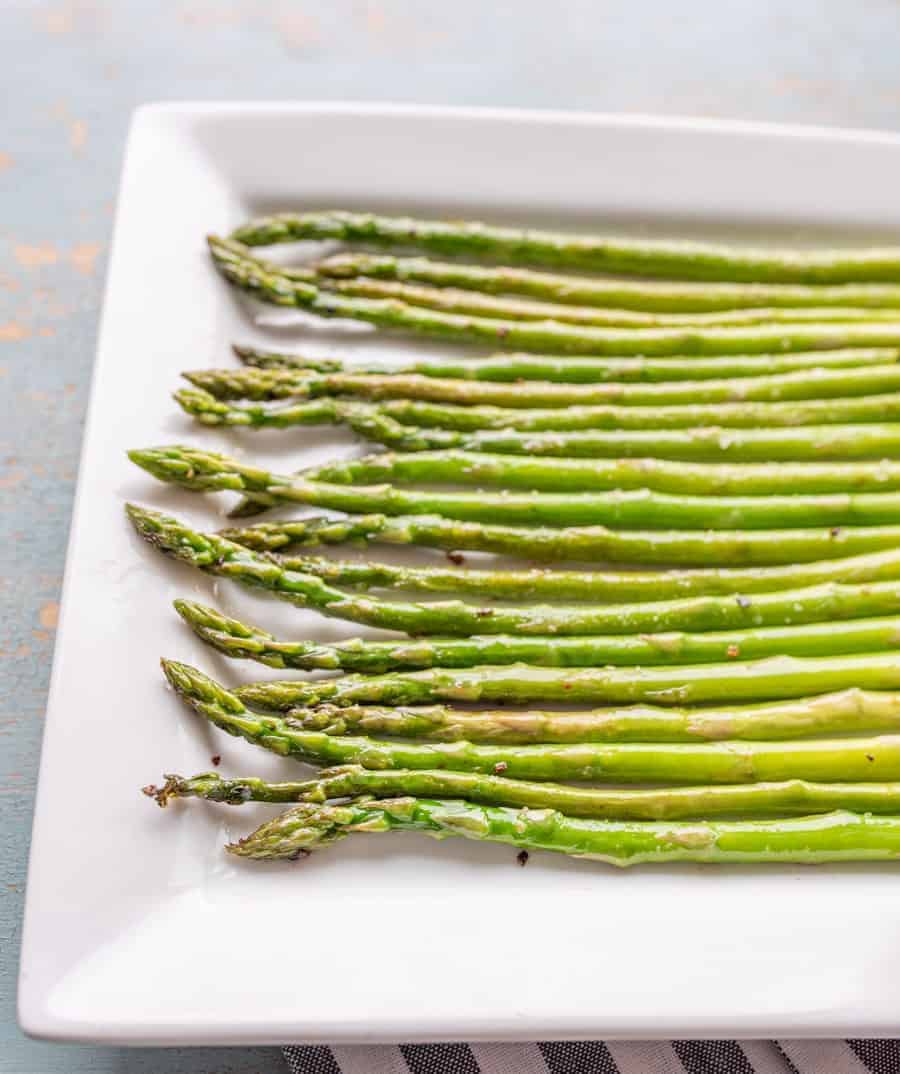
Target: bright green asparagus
(776,678)
(706,443)
(584,253)
(711,443)
(848,712)
(576,475)
(581,544)
(237,640)
(461,301)
(791,798)
(539,583)
(640,508)
(216,555)
(656,296)
(833,837)
(858,759)
(249,275)
(267,384)
(515,367)
(423,414)
(285,413)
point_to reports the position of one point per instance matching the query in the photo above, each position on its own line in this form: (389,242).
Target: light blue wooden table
(72,72)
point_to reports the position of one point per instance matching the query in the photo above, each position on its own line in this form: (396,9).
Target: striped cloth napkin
(604,1057)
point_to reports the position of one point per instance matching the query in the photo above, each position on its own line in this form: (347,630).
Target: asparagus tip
(144,519)
(292,835)
(199,689)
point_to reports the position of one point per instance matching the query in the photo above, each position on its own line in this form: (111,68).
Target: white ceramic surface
(139,928)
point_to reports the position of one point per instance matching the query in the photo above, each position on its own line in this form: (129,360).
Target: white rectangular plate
(139,928)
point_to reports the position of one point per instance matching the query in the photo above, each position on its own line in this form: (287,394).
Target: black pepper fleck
(522,857)
(456,558)
(216,759)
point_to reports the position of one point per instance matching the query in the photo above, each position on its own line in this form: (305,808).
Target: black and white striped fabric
(604,1057)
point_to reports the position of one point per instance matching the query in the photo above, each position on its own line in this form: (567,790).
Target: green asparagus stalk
(858,759)
(656,296)
(516,367)
(237,640)
(777,678)
(219,556)
(454,300)
(802,384)
(467,301)
(201,471)
(577,475)
(791,798)
(249,275)
(538,583)
(291,411)
(423,414)
(712,443)
(583,253)
(834,837)
(849,712)
(582,544)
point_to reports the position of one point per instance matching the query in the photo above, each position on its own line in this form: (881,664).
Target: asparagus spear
(602,253)
(424,414)
(584,544)
(201,471)
(515,367)
(792,798)
(609,587)
(454,300)
(575,475)
(858,759)
(777,678)
(837,836)
(237,640)
(219,556)
(711,443)
(802,384)
(249,275)
(713,417)
(848,712)
(666,296)
(466,301)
